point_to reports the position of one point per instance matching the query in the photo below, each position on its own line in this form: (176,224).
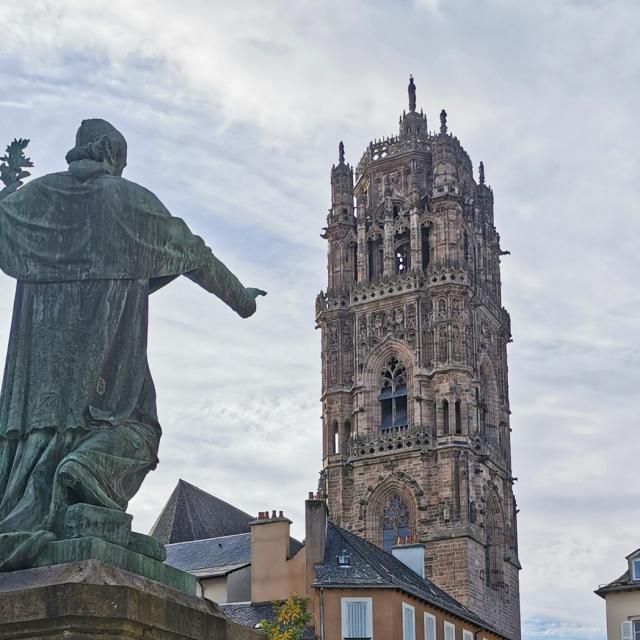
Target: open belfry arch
(416,436)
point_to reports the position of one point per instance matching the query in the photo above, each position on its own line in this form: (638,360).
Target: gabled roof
(193,514)
(213,556)
(371,566)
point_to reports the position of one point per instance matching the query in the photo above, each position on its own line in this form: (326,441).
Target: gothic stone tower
(416,437)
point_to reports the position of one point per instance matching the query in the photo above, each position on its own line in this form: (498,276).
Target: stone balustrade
(388,440)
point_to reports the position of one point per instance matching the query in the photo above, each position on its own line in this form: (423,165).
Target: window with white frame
(357,618)
(467,635)
(449,631)
(408,622)
(429,626)
(635,565)
(630,630)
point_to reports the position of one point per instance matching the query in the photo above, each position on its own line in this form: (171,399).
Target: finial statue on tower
(481,173)
(341,152)
(412,95)
(443,121)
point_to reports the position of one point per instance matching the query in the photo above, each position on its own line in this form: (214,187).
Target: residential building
(415,398)
(622,597)
(356,589)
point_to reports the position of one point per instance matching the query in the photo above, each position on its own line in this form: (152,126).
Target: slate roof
(211,557)
(249,615)
(623,583)
(193,514)
(216,556)
(371,566)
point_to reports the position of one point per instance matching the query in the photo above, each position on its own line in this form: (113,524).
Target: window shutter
(449,631)
(626,630)
(356,620)
(408,627)
(429,627)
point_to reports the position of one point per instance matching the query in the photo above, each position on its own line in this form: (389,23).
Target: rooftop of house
(370,566)
(625,582)
(212,556)
(216,556)
(193,514)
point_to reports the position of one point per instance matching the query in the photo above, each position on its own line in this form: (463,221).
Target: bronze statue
(78,421)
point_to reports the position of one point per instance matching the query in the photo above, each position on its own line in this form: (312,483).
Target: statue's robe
(78,416)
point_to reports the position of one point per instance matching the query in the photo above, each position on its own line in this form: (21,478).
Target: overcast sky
(233,112)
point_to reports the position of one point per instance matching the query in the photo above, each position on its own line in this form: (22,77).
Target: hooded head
(99,142)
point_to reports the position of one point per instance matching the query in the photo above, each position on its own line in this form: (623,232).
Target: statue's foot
(88,521)
(147,546)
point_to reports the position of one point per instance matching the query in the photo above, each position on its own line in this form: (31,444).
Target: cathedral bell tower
(415,398)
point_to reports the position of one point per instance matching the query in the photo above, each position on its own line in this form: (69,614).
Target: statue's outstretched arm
(217,279)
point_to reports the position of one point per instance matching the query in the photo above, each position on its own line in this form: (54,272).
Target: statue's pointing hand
(254,293)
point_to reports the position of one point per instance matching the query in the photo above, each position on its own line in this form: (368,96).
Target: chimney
(269,556)
(412,555)
(315,524)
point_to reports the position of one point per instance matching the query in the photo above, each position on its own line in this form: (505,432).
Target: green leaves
(14,162)
(291,616)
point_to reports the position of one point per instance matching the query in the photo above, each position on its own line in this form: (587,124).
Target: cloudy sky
(233,112)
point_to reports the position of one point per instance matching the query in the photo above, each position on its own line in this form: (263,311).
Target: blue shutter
(357,620)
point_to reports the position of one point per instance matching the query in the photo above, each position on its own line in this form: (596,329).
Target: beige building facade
(344,578)
(622,597)
(416,417)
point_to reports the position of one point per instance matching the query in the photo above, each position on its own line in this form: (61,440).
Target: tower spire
(443,121)
(412,95)
(341,152)
(481,171)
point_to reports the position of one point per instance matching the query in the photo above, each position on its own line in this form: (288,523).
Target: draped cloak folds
(77,411)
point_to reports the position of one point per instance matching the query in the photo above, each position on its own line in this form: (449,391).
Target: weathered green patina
(78,423)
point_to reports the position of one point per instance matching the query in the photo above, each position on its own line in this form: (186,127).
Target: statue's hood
(85,169)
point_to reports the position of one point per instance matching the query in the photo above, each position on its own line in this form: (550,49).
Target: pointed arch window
(396,522)
(494,548)
(393,395)
(375,254)
(424,238)
(402,245)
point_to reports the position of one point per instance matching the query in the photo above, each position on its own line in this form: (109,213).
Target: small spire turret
(481,172)
(341,152)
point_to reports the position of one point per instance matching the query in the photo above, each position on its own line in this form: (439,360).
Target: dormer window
(635,569)
(344,560)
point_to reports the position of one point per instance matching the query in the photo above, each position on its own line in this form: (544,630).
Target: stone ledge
(86,549)
(91,600)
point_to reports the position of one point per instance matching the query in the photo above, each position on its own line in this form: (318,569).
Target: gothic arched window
(396,522)
(424,237)
(393,395)
(494,548)
(376,258)
(458,412)
(402,252)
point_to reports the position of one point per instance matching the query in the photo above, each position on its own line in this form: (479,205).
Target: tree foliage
(291,616)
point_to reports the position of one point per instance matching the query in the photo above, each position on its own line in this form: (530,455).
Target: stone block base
(91,600)
(83,549)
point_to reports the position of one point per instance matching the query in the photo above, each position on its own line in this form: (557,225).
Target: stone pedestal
(91,600)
